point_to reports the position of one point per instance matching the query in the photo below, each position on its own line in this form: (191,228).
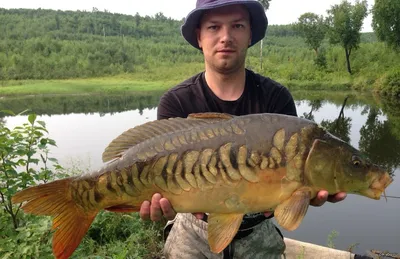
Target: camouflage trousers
(188,239)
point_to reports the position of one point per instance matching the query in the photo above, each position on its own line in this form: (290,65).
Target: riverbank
(115,85)
(133,83)
(163,77)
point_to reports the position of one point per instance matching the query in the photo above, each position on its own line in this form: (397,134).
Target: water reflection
(339,127)
(378,141)
(83,127)
(83,104)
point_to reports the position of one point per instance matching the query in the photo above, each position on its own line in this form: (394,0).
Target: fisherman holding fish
(223,30)
(232,147)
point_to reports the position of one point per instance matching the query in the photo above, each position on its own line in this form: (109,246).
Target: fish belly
(240,197)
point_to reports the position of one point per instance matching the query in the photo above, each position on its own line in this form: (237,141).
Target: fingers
(337,197)
(145,210)
(199,215)
(167,209)
(320,199)
(155,209)
(268,214)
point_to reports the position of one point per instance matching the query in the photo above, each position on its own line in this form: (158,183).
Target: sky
(280,12)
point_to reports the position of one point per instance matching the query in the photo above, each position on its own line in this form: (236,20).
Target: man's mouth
(226,51)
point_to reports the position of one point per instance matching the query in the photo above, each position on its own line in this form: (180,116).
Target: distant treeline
(49,44)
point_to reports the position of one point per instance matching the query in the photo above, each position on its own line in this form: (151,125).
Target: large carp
(220,164)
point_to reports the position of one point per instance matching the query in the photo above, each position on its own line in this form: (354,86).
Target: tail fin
(70,221)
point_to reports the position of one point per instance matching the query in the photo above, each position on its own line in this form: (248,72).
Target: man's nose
(226,34)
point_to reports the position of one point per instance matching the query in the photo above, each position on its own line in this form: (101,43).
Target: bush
(390,83)
(24,162)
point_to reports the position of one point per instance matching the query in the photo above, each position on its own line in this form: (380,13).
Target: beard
(226,65)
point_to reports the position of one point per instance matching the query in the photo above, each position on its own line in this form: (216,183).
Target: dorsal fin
(211,115)
(146,131)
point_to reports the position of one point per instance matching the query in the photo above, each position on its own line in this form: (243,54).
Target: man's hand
(322,197)
(158,208)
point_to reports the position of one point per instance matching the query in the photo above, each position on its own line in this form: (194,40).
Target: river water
(82,127)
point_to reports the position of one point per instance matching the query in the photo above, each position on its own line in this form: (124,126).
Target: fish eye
(356,161)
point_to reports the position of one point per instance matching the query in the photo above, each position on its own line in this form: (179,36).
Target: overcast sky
(280,12)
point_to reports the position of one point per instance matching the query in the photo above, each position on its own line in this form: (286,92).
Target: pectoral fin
(291,212)
(222,228)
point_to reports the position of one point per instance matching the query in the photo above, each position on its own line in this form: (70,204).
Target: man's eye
(239,26)
(213,27)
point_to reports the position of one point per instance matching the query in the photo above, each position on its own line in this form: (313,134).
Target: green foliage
(121,236)
(111,235)
(389,84)
(320,60)
(313,29)
(386,21)
(24,162)
(43,44)
(392,82)
(331,238)
(117,53)
(345,22)
(21,149)
(32,240)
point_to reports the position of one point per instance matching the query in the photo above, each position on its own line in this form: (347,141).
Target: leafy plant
(345,22)
(313,29)
(24,161)
(331,238)
(386,22)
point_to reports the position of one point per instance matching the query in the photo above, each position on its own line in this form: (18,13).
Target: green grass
(80,86)
(302,75)
(153,78)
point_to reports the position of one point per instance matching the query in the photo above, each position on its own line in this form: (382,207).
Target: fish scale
(202,175)
(219,164)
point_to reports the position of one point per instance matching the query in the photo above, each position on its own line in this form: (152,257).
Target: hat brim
(258,20)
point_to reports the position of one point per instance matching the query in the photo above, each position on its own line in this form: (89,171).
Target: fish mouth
(378,186)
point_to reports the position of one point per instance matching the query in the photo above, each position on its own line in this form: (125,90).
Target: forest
(48,44)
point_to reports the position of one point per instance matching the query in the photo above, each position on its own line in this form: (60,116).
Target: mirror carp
(219,164)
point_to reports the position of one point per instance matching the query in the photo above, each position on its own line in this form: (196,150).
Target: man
(223,30)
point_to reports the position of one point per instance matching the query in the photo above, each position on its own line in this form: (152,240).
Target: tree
(265,4)
(313,29)
(345,22)
(386,21)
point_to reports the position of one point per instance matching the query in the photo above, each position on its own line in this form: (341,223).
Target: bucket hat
(258,19)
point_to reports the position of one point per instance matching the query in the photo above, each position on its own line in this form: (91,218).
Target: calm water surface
(83,127)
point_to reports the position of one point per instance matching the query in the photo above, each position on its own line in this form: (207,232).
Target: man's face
(224,35)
